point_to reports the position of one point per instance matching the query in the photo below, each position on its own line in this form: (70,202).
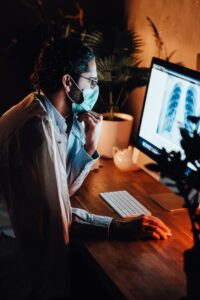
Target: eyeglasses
(93,82)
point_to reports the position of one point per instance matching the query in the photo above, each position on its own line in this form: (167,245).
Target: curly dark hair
(66,56)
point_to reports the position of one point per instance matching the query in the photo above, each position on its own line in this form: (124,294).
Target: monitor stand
(168,201)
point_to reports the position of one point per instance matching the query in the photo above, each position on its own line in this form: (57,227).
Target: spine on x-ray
(171,108)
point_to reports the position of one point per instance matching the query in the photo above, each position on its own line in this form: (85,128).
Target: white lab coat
(35,186)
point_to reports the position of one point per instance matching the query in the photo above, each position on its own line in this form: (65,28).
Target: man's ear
(66,81)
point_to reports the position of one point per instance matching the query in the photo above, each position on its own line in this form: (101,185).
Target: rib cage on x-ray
(190,107)
(186,97)
(171,108)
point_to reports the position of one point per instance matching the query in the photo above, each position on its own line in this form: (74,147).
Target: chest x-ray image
(180,101)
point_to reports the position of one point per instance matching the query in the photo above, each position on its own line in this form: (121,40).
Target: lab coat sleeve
(79,169)
(35,206)
(89,225)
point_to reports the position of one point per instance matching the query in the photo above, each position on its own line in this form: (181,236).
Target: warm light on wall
(177,22)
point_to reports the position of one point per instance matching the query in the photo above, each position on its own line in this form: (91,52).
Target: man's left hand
(93,123)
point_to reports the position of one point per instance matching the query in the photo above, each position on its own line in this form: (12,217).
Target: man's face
(87,80)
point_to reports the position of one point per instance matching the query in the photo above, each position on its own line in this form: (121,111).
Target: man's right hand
(144,226)
(93,122)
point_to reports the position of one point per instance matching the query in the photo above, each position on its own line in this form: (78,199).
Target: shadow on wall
(184,37)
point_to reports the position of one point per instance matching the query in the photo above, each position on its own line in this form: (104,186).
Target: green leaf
(117,53)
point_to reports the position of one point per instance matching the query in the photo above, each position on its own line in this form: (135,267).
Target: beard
(76,95)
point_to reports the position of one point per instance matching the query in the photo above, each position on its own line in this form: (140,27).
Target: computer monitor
(173,94)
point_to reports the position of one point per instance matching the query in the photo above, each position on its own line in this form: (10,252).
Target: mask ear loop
(70,97)
(76,86)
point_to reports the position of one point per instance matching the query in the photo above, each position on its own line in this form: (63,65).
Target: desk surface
(135,269)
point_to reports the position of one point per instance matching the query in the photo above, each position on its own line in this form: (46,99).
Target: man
(48,145)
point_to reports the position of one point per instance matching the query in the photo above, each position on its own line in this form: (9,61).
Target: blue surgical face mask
(90,97)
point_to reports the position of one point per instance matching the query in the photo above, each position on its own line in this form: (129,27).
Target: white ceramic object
(114,133)
(123,159)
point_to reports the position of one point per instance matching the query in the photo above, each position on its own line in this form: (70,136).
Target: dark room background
(25,25)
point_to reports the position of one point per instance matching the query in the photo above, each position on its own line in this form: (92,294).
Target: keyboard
(124,204)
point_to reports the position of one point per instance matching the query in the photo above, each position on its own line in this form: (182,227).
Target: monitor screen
(173,94)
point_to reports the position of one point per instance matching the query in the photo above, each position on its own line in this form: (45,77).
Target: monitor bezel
(171,67)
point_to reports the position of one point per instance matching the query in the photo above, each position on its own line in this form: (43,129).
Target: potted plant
(116,52)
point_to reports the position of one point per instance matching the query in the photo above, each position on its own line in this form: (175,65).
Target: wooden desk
(135,269)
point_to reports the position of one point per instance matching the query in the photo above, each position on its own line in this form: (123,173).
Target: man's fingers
(90,120)
(96,117)
(155,235)
(156,231)
(161,233)
(155,225)
(152,234)
(87,117)
(158,223)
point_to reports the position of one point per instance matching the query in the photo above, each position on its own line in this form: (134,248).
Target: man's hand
(144,226)
(93,123)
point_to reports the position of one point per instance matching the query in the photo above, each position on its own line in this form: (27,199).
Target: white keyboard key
(124,204)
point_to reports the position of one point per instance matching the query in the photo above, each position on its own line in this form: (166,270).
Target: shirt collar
(60,122)
(54,114)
